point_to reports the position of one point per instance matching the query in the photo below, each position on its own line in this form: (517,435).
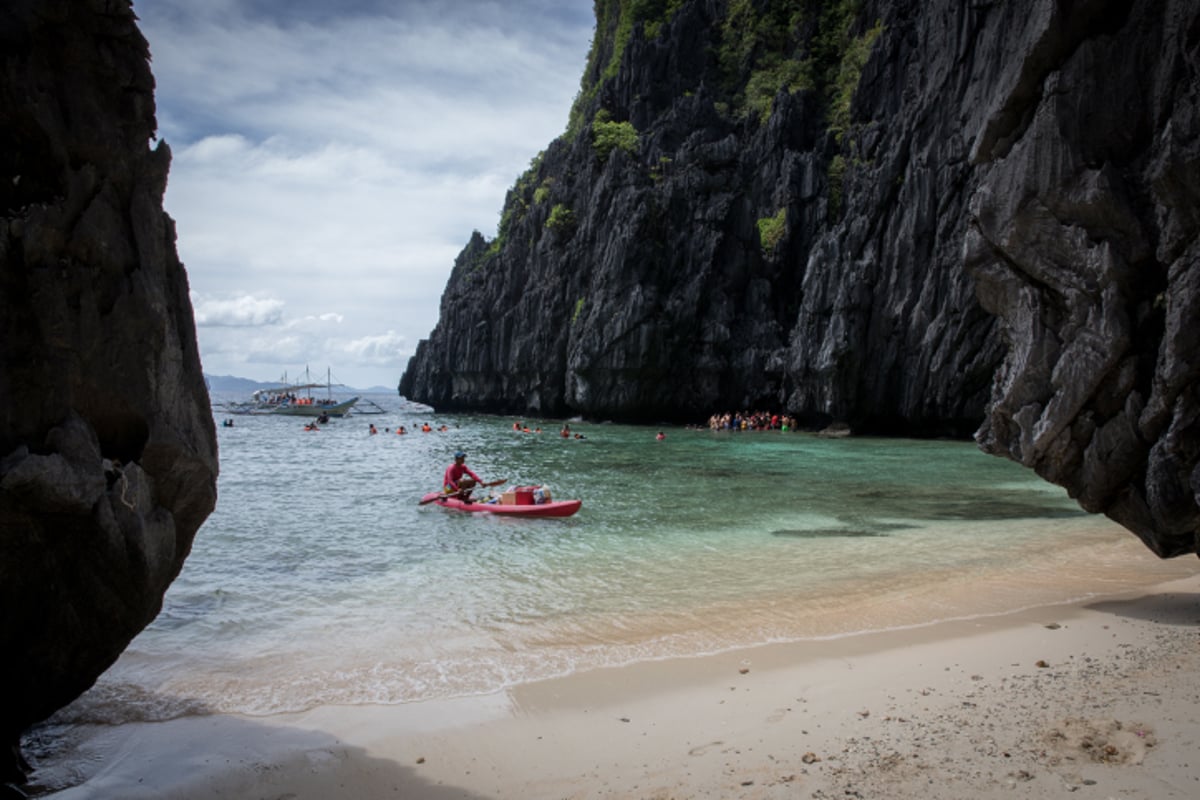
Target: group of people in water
(424,427)
(729,421)
(521,427)
(751,421)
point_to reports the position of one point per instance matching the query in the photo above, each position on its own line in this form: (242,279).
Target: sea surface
(319,579)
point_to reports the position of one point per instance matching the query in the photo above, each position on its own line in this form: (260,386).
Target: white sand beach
(1097,699)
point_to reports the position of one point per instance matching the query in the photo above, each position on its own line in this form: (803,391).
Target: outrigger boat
(295,406)
(295,400)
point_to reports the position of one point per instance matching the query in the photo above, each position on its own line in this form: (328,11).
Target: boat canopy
(287,388)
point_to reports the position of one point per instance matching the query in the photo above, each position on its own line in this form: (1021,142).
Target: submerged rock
(108,456)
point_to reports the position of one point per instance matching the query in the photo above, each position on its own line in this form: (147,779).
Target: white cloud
(382,350)
(335,159)
(238,311)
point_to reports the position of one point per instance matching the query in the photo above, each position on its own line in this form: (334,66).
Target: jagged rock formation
(901,215)
(653,294)
(1084,242)
(108,457)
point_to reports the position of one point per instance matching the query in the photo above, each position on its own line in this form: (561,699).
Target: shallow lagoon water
(319,580)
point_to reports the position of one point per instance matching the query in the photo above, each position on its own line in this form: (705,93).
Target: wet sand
(1096,699)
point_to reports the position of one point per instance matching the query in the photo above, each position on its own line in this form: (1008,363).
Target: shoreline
(1096,697)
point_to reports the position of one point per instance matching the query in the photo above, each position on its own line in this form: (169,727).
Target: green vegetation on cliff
(520,198)
(843,81)
(561,218)
(760,53)
(792,45)
(608,135)
(615,21)
(762,47)
(771,231)
(796,45)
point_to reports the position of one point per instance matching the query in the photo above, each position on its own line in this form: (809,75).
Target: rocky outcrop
(901,216)
(1083,240)
(107,447)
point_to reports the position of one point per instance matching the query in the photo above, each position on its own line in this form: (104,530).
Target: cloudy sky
(330,160)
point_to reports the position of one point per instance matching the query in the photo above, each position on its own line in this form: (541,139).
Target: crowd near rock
(748,421)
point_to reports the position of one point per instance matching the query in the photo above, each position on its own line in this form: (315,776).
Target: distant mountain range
(230,384)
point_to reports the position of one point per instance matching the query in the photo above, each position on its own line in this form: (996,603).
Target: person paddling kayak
(458,481)
(456,471)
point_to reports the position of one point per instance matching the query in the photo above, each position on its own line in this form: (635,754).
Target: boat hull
(557,508)
(315,410)
(266,409)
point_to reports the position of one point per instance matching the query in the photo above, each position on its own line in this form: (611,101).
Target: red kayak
(554,508)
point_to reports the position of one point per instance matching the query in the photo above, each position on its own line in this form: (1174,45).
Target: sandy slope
(1094,700)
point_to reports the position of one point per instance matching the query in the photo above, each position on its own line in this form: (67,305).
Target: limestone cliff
(713,234)
(108,457)
(909,216)
(1083,240)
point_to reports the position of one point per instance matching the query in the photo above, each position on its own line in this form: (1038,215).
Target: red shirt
(454,473)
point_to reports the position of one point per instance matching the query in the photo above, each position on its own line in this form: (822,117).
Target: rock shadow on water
(949,505)
(998,509)
(829,533)
(853,530)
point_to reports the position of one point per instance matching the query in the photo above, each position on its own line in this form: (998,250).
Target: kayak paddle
(443,495)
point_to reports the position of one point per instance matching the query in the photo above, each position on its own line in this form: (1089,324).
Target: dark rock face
(1083,240)
(1004,230)
(108,457)
(660,299)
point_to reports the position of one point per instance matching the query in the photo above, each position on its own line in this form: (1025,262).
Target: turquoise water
(319,580)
